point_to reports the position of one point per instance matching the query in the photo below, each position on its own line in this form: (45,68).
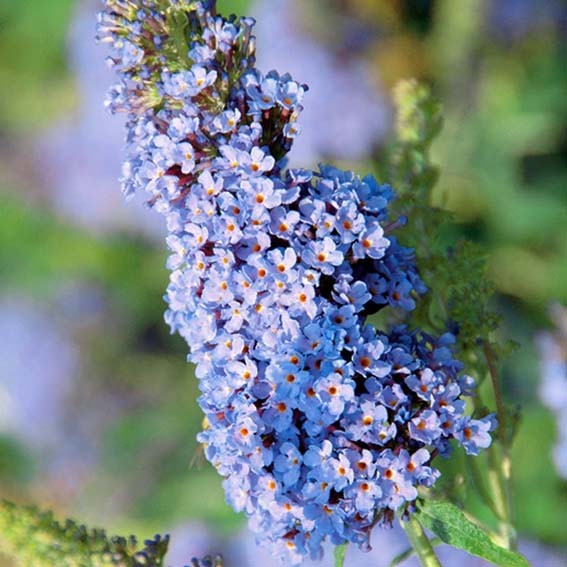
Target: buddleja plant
(323,425)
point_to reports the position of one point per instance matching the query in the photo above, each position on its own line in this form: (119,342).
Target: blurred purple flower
(80,157)
(346,114)
(42,402)
(38,366)
(512,19)
(552,348)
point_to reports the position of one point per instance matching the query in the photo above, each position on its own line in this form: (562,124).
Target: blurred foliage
(50,252)
(504,168)
(34,84)
(37,539)
(16,464)
(501,157)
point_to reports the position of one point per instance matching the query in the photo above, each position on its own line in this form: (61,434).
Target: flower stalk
(499,473)
(420,542)
(340,554)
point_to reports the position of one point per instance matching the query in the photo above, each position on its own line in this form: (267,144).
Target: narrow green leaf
(450,524)
(340,553)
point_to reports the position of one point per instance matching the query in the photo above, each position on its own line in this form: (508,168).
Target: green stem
(478,480)
(420,542)
(498,481)
(499,461)
(402,557)
(493,372)
(340,553)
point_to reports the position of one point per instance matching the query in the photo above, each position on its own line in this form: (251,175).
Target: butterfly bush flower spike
(321,425)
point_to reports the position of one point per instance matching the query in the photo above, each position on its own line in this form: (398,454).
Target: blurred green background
(97,407)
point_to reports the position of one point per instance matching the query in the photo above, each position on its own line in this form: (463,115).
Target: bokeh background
(97,405)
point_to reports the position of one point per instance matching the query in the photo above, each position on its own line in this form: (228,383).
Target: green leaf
(450,524)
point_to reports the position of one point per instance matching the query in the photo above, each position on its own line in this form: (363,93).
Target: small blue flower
(368,359)
(426,427)
(371,243)
(474,434)
(290,94)
(323,255)
(288,464)
(365,494)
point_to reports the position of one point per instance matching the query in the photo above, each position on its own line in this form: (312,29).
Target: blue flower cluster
(321,425)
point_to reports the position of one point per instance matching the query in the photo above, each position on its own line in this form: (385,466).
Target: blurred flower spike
(321,425)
